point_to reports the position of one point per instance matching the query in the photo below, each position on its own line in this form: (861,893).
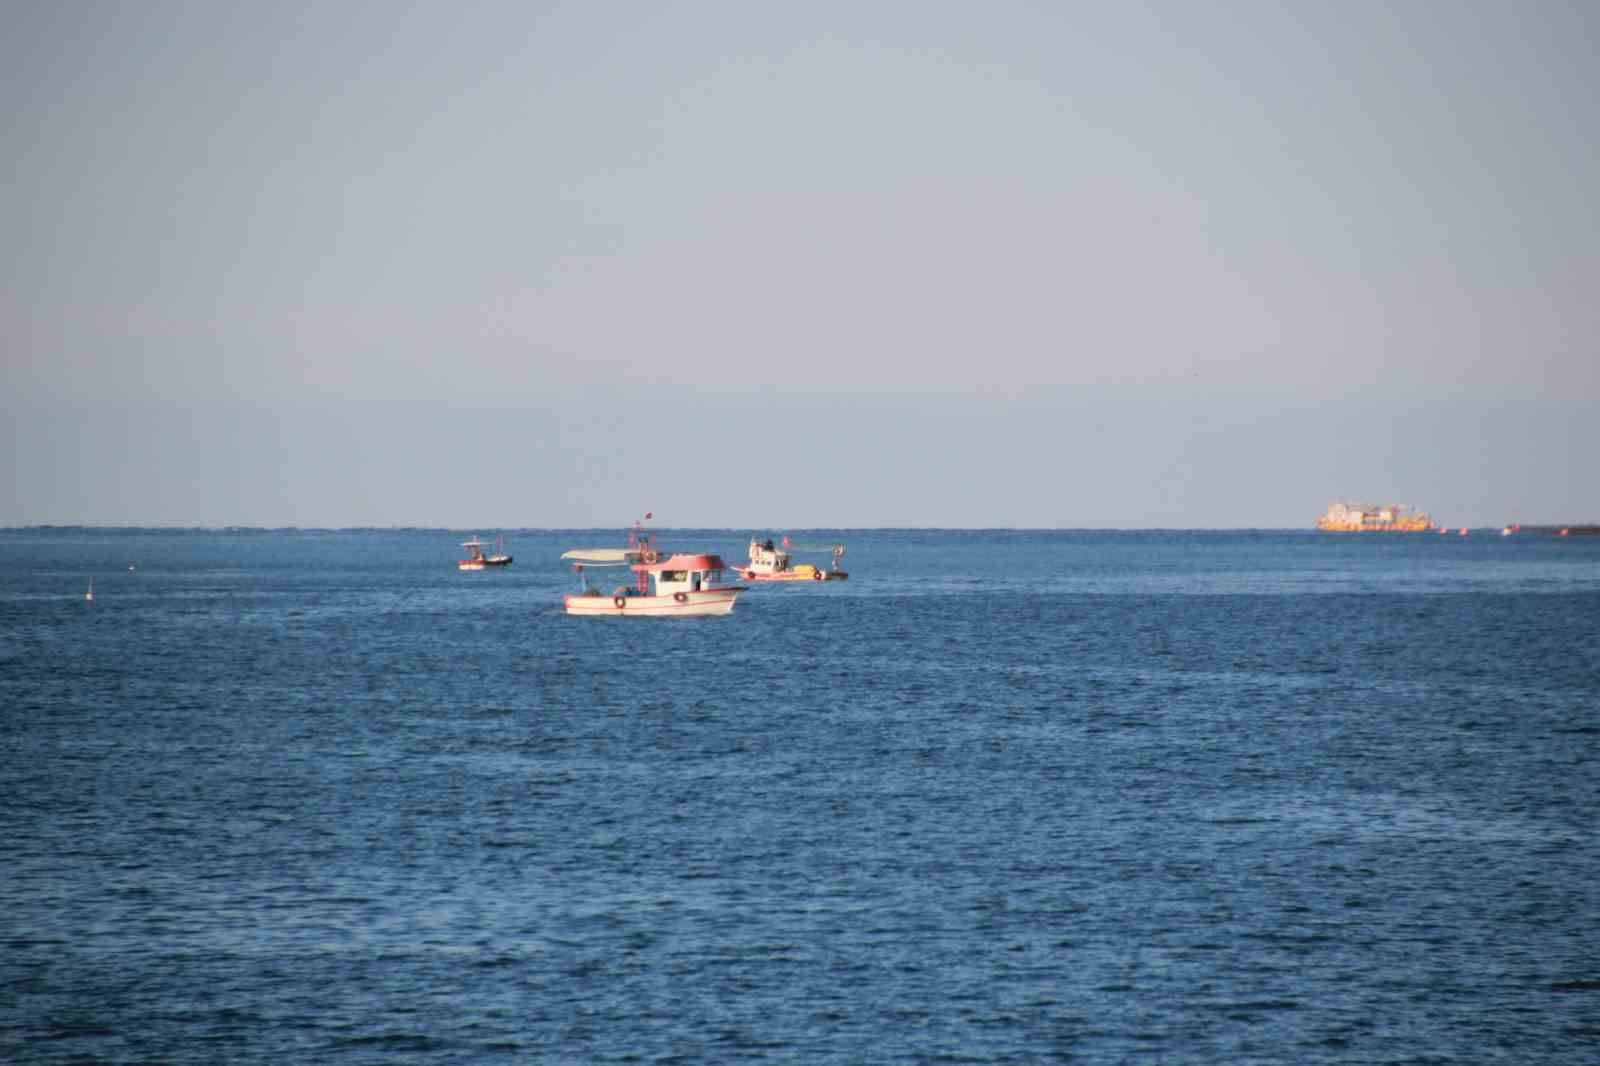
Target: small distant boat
(89,596)
(768,562)
(476,558)
(665,586)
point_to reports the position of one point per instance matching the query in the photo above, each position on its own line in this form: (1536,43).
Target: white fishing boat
(478,559)
(768,562)
(680,585)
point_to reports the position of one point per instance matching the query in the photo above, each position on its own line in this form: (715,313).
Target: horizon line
(108,527)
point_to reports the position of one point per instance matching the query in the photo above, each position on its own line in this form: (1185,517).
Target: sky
(825,264)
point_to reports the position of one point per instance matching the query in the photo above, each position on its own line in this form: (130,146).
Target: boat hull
(677,605)
(794,575)
(486,563)
(1405,525)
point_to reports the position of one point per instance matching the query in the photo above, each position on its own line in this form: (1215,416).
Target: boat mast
(642,543)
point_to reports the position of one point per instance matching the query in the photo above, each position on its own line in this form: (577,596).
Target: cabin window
(713,576)
(672,575)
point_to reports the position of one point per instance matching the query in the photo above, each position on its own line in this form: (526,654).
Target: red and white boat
(476,558)
(768,562)
(664,586)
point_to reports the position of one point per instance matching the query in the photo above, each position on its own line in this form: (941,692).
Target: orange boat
(1370,518)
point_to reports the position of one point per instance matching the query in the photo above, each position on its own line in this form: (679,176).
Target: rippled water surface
(1003,796)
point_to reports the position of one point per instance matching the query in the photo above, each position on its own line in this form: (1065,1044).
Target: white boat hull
(677,605)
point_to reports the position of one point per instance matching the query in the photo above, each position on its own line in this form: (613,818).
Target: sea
(1003,796)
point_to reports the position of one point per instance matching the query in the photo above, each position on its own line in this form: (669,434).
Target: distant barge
(1372,518)
(1558,531)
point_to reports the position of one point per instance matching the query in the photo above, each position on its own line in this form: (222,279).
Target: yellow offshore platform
(1368,518)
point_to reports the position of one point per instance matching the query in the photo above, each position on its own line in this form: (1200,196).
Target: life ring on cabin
(619,601)
(681,597)
(816,575)
(749,575)
(650,556)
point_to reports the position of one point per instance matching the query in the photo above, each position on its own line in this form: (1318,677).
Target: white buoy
(89,596)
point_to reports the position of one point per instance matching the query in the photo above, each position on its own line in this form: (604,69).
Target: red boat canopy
(685,562)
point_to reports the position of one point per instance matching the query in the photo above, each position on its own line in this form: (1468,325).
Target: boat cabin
(767,557)
(682,573)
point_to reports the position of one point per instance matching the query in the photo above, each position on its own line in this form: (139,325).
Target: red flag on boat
(649,514)
(786,540)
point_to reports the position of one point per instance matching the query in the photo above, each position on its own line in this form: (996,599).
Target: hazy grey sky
(811,264)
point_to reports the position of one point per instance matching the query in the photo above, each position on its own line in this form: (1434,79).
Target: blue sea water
(1003,796)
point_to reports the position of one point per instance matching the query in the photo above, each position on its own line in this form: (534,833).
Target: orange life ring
(619,601)
(681,597)
(650,556)
(749,575)
(816,575)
